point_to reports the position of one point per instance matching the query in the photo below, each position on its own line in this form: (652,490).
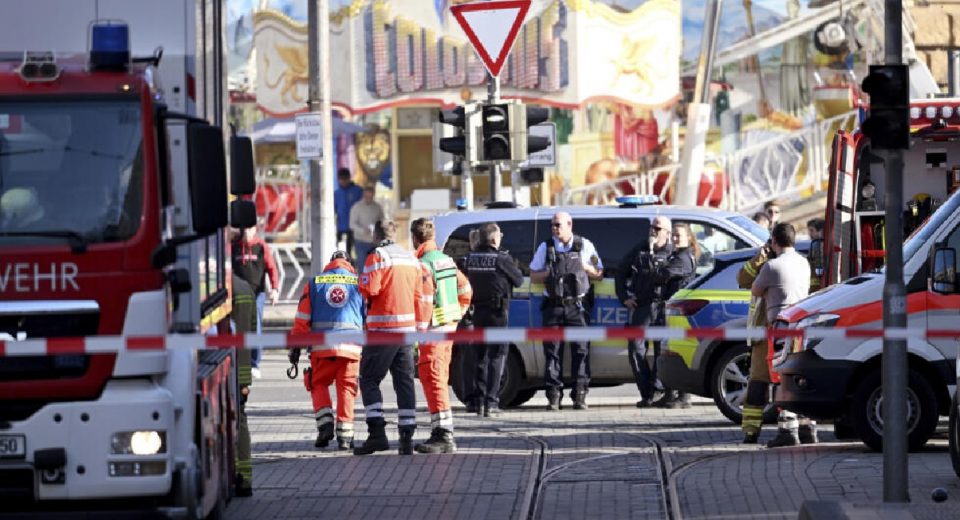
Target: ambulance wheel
(955,434)
(728,384)
(866,411)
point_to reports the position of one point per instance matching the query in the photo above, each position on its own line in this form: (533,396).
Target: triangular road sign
(492,27)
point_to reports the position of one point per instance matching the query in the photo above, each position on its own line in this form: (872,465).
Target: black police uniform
(651,279)
(493,274)
(567,285)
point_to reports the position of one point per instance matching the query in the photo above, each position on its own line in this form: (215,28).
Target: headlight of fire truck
(138,443)
(822,320)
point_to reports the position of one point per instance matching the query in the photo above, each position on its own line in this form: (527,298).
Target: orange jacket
(464,290)
(393,284)
(303,320)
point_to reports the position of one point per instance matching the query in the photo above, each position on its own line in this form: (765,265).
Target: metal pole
(328,230)
(313,103)
(953,73)
(894,377)
(493,96)
(698,112)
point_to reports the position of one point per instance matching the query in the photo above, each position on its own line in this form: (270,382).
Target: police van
(614,231)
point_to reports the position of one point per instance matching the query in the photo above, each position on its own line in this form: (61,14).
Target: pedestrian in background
(762,220)
(642,292)
(330,302)
(448,299)
(493,274)
(772,209)
(252,260)
(344,197)
(393,284)
(815,256)
(565,264)
(363,217)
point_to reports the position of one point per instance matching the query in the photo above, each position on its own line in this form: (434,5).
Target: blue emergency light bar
(632,201)
(109,45)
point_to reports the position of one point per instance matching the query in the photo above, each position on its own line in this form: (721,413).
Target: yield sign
(492,28)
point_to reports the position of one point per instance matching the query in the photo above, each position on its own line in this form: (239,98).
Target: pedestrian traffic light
(888,124)
(456,145)
(495,129)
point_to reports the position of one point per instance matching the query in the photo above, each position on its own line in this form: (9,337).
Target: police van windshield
(70,168)
(922,234)
(748,224)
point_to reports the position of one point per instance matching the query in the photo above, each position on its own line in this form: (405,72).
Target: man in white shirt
(565,265)
(363,216)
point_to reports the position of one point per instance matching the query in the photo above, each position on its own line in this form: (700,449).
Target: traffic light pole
(493,96)
(895,369)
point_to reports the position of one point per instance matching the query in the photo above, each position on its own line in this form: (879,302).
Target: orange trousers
(324,371)
(434,371)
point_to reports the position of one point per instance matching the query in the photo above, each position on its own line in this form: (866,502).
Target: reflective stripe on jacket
(331,301)
(393,283)
(452,291)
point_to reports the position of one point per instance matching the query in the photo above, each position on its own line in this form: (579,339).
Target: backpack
(566,277)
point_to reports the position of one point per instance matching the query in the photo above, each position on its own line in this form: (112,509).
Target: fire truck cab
(834,378)
(113,221)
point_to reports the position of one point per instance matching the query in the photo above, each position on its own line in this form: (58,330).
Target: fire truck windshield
(69,169)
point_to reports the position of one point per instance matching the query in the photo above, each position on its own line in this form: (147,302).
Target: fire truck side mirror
(944,270)
(208,177)
(242,177)
(243,214)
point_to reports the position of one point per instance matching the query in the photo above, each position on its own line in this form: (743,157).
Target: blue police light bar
(632,201)
(109,45)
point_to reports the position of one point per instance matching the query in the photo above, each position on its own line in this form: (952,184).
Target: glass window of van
(612,237)
(517,240)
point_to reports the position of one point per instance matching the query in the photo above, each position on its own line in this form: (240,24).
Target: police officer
(493,274)
(244,320)
(654,272)
(565,264)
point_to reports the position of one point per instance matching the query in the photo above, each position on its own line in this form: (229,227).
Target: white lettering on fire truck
(23,277)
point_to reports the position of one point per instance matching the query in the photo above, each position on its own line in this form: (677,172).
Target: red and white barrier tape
(111,344)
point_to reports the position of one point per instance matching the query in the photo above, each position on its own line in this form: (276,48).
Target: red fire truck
(113,214)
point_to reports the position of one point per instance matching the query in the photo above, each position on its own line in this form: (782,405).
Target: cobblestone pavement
(612,461)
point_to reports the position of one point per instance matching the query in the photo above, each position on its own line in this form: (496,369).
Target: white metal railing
(282,200)
(777,168)
(643,183)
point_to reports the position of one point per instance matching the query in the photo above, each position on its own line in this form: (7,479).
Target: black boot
(440,441)
(324,436)
(345,443)
(554,400)
(681,400)
(376,438)
(406,441)
(579,397)
(808,433)
(784,438)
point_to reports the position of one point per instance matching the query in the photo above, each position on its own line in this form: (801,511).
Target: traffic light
(456,145)
(535,116)
(888,124)
(495,129)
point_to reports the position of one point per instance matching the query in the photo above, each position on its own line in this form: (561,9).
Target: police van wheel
(728,384)
(523,396)
(955,433)
(867,404)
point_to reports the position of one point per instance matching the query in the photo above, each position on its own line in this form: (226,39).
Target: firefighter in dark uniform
(565,264)
(493,274)
(244,320)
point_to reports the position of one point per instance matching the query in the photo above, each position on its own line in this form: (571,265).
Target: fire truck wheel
(866,408)
(955,433)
